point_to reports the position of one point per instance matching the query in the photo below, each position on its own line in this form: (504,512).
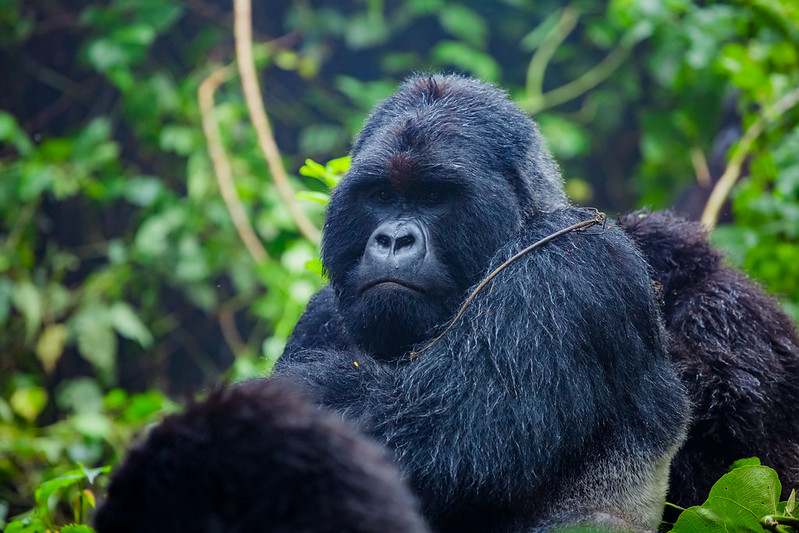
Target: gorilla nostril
(383,240)
(404,242)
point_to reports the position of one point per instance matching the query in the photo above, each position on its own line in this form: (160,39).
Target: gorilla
(551,400)
(257,458)
(737,353)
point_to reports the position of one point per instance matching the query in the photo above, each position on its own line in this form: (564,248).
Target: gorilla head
(415,221)
(257,457)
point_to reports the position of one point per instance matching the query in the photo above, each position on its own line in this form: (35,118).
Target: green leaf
(790,505)
(139,34)
(28,301)
(463,56)
(80,395)
(143,406)
(153,238)
(339,166)
(28,402)
(747,461)
(321,138)
(97,341)
(565,138)
(312,196)
(6,295)
(364,31)
(365,94)
(127,323)
(315,266)
(312,169)
(11,132)
(51,345)
(142,190)
(465,24)
(736,502)
(50,487)
(182,140)
(104,54)
(425,6)
(26,525)
(77,528)
(92,425)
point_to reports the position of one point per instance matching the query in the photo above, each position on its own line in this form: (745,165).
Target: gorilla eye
(433,197)
(384,195)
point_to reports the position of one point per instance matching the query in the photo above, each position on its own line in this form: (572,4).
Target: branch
(701,169)
(544,53)
(255,105)
(227,324)
(581,85)
(221,163)
(744,147)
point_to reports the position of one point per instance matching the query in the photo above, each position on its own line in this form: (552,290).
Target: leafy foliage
(745,499)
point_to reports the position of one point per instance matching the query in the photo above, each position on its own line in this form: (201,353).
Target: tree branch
(744,147)
(252,94)
(542,56)
(221,163)
(581,85)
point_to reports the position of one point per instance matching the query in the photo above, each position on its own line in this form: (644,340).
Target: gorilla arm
(552,391)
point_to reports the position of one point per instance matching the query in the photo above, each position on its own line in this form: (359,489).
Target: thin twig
(599,218)
(221,163)
(255,105)
(733,171)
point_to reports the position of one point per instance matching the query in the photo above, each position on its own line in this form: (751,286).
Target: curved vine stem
(744,147)
(221,163)
(536,99)
(242,28)
(538,64)
(587,81)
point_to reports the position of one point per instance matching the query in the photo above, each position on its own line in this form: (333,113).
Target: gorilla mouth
(390,283)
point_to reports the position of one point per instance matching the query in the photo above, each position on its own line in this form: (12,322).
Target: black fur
(253,458)
(738,355)
(553,399)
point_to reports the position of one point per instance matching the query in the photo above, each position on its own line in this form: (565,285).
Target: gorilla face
(406,273)
(425,205)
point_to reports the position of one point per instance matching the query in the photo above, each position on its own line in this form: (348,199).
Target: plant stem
(255,105)
(744,147)
(221,163)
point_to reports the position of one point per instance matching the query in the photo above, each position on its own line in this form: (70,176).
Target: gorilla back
(552,400)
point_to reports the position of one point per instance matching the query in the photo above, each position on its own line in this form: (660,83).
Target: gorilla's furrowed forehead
(437,119)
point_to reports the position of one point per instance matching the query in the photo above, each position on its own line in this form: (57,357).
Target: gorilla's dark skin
(553,399)
(254,458)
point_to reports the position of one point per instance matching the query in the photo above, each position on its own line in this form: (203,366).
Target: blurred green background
(123,281)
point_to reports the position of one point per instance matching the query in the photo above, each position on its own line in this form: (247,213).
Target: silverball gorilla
(257,458)
(552,401)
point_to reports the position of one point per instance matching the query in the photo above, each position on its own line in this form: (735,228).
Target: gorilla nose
(400,243)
